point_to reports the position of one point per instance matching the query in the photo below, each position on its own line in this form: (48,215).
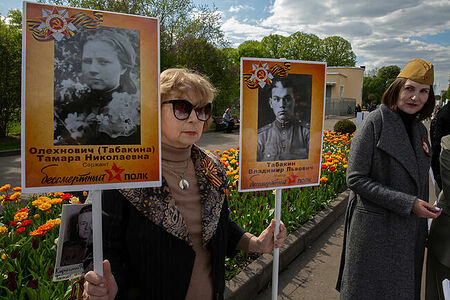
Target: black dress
(95,118)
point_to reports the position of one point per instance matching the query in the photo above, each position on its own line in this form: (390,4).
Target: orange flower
(45,206)
(55,201)
(59,194)
(37,232)
(17,189)
(21,215)
(323,179)
(5,188)
(47,226)
(15,196)
(3,230)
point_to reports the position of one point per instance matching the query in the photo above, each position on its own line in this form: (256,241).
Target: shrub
(345,126)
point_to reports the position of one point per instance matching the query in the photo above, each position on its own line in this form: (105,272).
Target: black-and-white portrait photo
(284,114)
(77,238)
(97,88)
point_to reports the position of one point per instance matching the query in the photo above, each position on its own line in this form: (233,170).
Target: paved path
(312,275)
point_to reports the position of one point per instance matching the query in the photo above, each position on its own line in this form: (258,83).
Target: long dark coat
(384,241)
(147,241)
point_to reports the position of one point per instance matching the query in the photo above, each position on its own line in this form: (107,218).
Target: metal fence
(340,106)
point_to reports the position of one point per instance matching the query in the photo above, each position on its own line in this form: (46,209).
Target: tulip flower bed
(29,229)
(254,210)
(28,234)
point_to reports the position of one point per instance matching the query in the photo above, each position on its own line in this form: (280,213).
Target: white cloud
(381,32)
(238,31)
(240,7)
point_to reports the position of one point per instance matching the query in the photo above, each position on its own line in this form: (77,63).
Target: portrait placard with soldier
(283,121)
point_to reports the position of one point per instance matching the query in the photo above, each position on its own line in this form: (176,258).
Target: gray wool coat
(384,241)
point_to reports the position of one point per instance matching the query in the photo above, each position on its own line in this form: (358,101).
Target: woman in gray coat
(385,228)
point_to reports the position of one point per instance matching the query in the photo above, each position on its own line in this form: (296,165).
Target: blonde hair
(185,81)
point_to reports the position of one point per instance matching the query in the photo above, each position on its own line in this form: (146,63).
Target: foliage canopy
(10,70)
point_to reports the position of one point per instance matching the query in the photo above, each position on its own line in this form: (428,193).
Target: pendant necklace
(183,184)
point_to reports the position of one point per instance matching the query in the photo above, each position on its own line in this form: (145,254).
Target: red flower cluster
(66,196)
(26,223)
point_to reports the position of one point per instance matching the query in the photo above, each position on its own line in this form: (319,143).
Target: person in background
(228,120)
(357,109)
(438,257)
(170,242)
(372,106)
(439,127)
(386,219)
(435,111)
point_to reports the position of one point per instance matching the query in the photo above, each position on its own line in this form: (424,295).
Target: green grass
(14,128)
(12,141)
(9,143)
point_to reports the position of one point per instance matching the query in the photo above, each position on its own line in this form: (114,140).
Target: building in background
(343,90)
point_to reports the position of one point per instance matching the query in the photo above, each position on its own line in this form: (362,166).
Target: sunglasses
(182,110)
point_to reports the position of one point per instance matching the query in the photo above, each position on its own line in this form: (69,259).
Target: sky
(382,32)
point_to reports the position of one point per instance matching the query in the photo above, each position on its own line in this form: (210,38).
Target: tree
(376,85)
(199,55)
(337,51)
(373,89)
(250,49)
(15,18)
(303,46)
(10,71)
(178,19)
(270,45)
(388,74)
(445,94)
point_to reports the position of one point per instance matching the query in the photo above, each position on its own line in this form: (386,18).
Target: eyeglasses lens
(203,113)
(182,110)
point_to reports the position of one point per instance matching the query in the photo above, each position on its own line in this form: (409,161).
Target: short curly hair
(177,80)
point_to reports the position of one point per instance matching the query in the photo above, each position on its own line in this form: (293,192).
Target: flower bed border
(258,274)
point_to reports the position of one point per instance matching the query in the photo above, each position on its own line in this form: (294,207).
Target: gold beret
(419,71)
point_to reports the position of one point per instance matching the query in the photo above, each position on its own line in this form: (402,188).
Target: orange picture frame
(280,169)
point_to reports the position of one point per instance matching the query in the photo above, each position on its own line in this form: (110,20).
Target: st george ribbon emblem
(57,23)
(426,147)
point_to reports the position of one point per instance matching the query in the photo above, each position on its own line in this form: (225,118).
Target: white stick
(97,230)
(276,251)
